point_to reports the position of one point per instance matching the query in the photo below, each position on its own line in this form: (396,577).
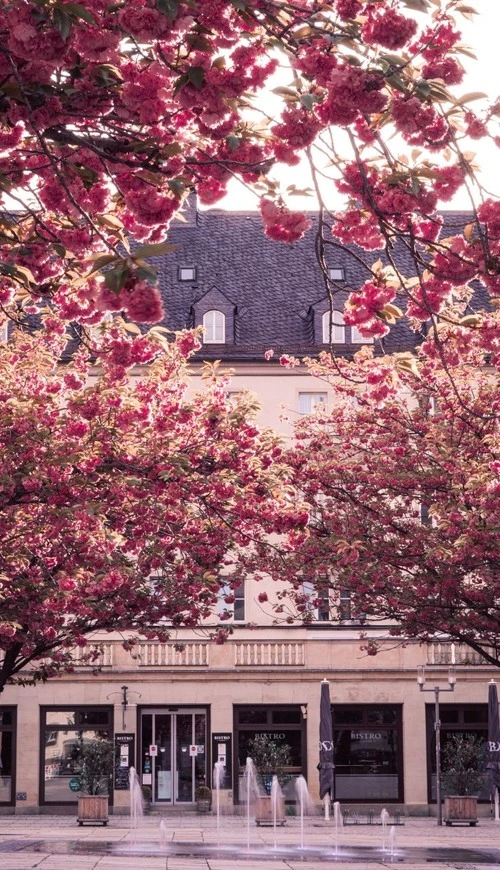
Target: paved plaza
(58,843)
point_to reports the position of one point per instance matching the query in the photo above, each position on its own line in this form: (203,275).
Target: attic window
(214,323)
(187,273)
(336,273)
(333,328)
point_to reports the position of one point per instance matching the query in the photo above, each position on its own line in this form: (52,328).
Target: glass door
(173,754)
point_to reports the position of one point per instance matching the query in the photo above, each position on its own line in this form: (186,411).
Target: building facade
(173,709)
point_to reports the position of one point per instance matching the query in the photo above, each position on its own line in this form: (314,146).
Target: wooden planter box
(93,809)
(203,806)
(460,809)
(264,811)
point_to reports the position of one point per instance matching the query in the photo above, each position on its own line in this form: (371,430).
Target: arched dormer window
(333,328)
(214,323)
(357,338)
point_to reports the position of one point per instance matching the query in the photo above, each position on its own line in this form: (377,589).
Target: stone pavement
(57,843)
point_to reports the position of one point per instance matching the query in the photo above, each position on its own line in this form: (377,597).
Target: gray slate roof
(272,293)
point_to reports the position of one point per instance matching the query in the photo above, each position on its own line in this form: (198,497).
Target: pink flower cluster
(281,224)
(388,28)
(419,124)
(358,227)
(361,308)
(351,92)
(428,298)
(139,299)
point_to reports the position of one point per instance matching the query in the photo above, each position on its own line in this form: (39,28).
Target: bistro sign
(366,735)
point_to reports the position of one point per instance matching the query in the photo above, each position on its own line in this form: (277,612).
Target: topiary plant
(94,762)
(464,765)
(270,758)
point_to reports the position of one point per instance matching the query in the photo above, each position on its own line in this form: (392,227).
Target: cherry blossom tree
(402,478)
(114,112)
(122,502)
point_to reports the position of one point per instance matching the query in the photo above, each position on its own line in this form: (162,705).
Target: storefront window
(466,719)
(368,753)
(281,724)
(63,731)
(7,755)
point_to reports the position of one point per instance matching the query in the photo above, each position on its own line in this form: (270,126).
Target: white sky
(481,34)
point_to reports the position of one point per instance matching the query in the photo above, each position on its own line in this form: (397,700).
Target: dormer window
(333,327)
(357,338)
(186,273)
(336,273)
(214,323)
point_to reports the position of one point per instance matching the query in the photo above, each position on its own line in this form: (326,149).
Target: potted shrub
(463,777)
(93,765)
(270,759)
(203,798)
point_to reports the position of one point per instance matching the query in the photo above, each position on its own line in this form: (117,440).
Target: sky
(481,34)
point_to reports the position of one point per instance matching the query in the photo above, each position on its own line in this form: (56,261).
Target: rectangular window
(232,601)
(336,273)
(63,731)
(309,401)
(368,754)
(187,273)
(7,755)
(456,719)
(239,602)
(323,597)
(357,338)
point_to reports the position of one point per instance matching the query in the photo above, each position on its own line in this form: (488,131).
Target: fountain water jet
(384,818)
(136,800)
(392,841)
(304,802)
(163,834)
(338,824)
(218,782)
(276,803)
(251,792)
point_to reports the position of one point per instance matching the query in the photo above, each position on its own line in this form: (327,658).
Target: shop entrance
(173,753)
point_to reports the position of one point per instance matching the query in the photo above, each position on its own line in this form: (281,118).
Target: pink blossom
(389,28)
(143,303)
(281,224)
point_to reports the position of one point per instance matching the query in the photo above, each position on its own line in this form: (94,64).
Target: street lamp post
(437,727)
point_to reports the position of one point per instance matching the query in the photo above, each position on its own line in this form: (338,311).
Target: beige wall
(225,680)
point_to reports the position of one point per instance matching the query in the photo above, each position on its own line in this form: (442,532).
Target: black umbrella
(493,764)
(325,765)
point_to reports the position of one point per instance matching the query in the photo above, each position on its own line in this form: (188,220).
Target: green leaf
(63,23)
(116,278)
(196,75)
(170,8)
(418,5)
(233,143)
(77,11)
(155,249)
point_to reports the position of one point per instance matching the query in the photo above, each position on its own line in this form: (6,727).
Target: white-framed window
(321,597)
(357,338)
(309,401)
(237,607)
(186,273)
(214,323)
(345,610)
(333,327)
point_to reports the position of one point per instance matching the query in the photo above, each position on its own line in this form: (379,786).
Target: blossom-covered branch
(114,112)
